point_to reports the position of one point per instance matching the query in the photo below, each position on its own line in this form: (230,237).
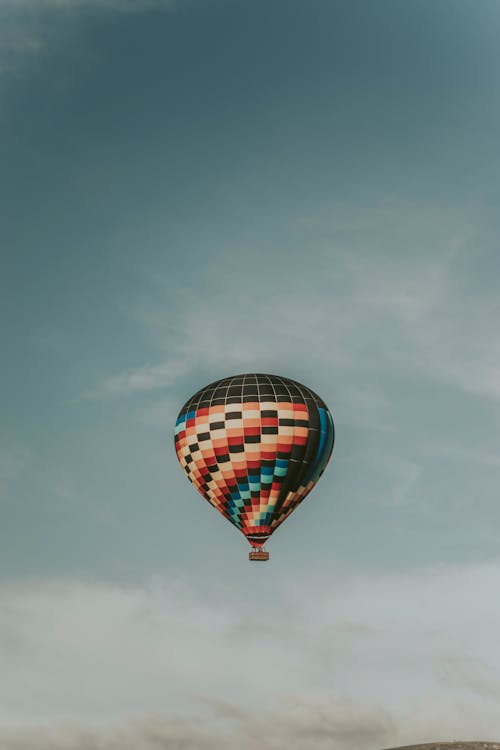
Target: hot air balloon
(254,446)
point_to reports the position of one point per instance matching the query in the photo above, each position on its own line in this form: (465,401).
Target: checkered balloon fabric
(254,446)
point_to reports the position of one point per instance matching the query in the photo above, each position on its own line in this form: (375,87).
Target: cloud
(12,462)
(28,27)
(461,454)
(336,725)
(123,6)
(146,378)
(322,662)
(462,670)
(326,724)
(410,309)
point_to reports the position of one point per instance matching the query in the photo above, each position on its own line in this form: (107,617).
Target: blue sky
(194,189)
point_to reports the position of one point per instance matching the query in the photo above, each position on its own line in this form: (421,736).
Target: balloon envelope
(254,446)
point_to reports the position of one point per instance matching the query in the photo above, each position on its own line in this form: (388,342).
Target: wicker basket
(258,554)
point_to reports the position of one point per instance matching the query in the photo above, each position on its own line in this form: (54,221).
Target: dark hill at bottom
(451,746)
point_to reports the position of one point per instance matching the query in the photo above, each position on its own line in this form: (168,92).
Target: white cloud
(318,663)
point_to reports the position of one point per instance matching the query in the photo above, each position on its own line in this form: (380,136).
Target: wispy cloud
(464,671)
(11,463)
(125,6)
(146,378)
(405,475)
(458,453)
(347,312)
(27,27)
